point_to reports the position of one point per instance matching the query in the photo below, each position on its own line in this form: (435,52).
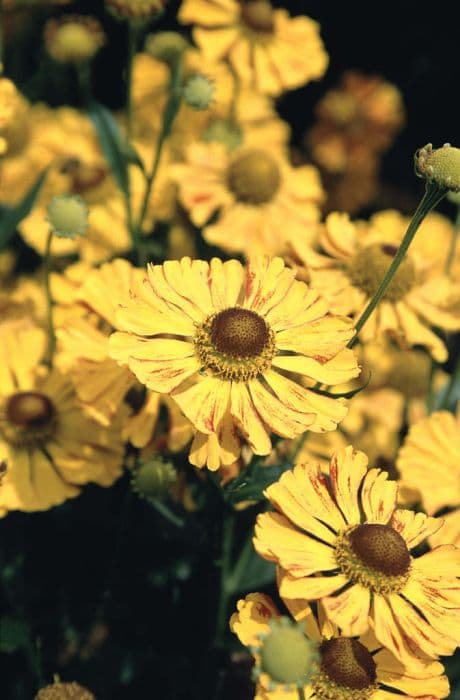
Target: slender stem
(301,693)
(453,243)
(1,38)
(84,80)
(228,528)
(452,389)
(49,300)
(432,197)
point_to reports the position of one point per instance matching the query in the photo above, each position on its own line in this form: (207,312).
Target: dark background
(107,557)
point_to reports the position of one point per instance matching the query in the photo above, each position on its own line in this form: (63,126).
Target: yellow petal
(338,370)
(204,403)
(414,527)
(347,470)
(281,419)
(311,587)
(252,617)
(248,420)
(378,496)
(267,282)
(226,283)
(350,610)
(432,642)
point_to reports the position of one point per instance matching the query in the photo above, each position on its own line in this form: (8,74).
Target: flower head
(166,46)
(439,165)
(228,344)
(73,38)
(68,216)
(64,691)
(341,539)
(198,92)
(339,667)
(153,478)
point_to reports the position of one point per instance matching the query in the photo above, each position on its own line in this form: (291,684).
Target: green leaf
(14,634)
(344,394)
(112,143)
(132,156)
(250,485)
(11,217)
(257,574)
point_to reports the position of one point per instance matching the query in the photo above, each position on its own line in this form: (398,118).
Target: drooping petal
(204,403)
(378,496)
(350,610)
(248,420)
(414,527)
(347,470)
(311,587)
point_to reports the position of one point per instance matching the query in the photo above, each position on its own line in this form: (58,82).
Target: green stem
(228,528)
(301,693)
(453,243)
(84,80)
(49,300)
(433,195)
(1,38)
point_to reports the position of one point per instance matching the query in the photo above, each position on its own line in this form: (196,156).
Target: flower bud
(167,47)
(153,479)
(73,38)
(287,655)
(68,216)
(439,165)
(198,92)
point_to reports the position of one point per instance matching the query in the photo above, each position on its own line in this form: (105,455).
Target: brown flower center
(369,266)
(29,409)
(29,417)
(258,15)
(239,333)
(254,177)
(410,373)
(348,663)
(381,548)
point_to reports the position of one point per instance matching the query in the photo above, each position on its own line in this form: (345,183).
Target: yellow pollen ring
(369,266)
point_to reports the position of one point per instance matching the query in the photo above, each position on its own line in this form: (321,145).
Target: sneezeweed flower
(429,460)
(64,691)
(227,343)
(347,262)
(167,47)
(142,10)
(340,539)
(50,443)
(12,107)
(73,38)
(345,668)
(267,48)
(259,197)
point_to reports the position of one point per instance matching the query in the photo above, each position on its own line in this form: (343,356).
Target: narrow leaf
(11,217)
(112,143)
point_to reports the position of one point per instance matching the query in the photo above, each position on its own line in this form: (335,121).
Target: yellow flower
(267,48)
(73,38)
(340,539)
(348,668)
(64,691)
(79,168)
(83,329)
(261,199)
(51,446)
(429,460)
(347,264)
(254,120)
(221,339)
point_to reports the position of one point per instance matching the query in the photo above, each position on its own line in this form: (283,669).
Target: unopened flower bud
(166,46)
(68,216)
(73,38)
(198,92)
(287,656)
(439,165)
(153,479)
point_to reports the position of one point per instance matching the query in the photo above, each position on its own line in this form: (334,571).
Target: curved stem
(432,197)
(49,300)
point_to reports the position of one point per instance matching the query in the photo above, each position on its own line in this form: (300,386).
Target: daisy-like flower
(83,329)
(341,539)
(258,195)
(228,344)
(347,668)
(429,460)
(347,264)
(50,445)
(267,48)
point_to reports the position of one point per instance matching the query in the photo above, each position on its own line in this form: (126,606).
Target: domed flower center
(410,373)
(381,548)
(287,656)
(367,270)
(254,177)
(29,417)
(239,333)
(348,663)
(258,15)
(236,344)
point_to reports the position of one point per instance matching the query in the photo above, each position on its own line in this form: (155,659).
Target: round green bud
(166,46)
(439,165)
(287,656)
(153,479)
(223,131)
(198,92)
(68,216)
